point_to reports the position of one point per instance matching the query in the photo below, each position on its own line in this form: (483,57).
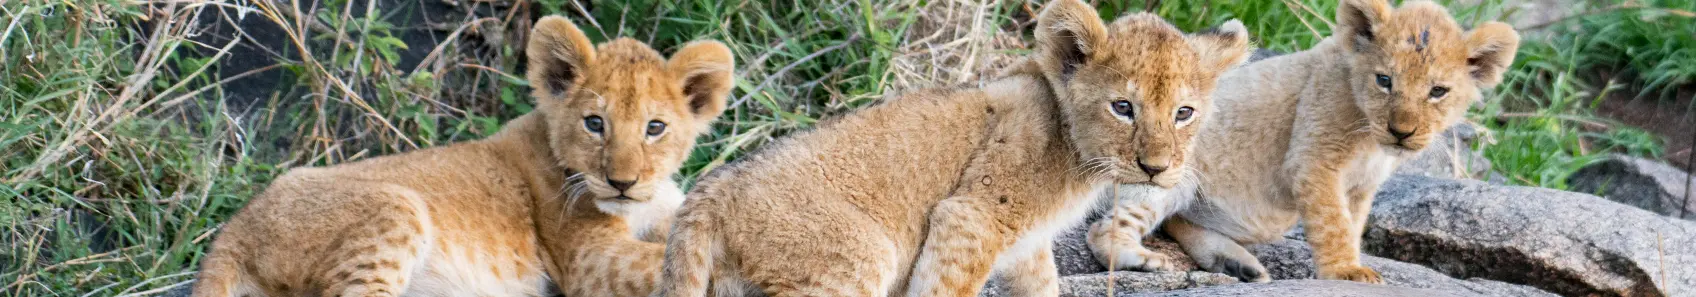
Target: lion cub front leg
(1360,207)
(960,249)
(1116,240)
(1034,274)
(1215,252)
(1330,225)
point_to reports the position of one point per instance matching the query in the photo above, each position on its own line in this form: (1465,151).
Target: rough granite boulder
(1304,288)
(1647,184)
(1562,242)
(1287,260)
(1124,282)
(1291,259)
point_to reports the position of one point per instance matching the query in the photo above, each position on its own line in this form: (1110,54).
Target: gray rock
(1139,282)
(1124,282)
(1646,184)
(1451,155)
(1293,259)
(1306,288)
(1071,252)
(1082,275)
(1563,242)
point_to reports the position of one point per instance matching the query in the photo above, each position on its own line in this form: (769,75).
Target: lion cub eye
(1384,81)
(1123,108)
(1438,92)
(1184,113)
(594,124)
(655,128)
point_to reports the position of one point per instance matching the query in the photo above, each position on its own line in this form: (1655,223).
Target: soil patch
(1673,119)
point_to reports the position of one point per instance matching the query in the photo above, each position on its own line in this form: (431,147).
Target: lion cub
(929,193)
(1309,137)
(559,194)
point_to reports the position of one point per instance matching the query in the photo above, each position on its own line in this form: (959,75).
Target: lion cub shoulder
(929,193)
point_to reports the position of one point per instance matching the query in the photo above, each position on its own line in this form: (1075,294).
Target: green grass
(122,148)
(1543,114)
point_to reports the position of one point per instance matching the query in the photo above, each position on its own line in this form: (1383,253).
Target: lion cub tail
(689,253)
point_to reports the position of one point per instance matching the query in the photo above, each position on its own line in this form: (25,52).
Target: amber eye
(594,124)
(1184,113)
(1438,92)
(655,128)
(1123,108)
(1384,81)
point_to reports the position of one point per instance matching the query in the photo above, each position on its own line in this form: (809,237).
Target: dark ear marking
(561,78)
(1356,19)
(1068,33)
(1071,57)
(705,72)
(557,55)
(696,88)
(1491,50)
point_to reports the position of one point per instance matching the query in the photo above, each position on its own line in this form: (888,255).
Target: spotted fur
(538,202)
(1308,137)
(931,192)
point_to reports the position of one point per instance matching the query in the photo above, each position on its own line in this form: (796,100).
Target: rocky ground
(1440,229)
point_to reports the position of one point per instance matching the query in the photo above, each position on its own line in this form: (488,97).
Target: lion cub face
(1414,71)
(1133,93)
(621,118)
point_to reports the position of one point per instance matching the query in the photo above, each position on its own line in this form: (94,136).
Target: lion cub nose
(1399,134)
(1151,169)
(621,185)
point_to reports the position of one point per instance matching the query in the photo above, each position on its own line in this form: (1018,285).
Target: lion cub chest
(477,271)
(1369,168)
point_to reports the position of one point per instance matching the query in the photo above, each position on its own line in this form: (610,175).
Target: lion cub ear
(1490,50)
(1358,21)
(558,53)
(705,70)
(1068,34)
(1221,48)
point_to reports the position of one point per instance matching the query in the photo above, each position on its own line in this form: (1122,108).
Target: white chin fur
(641,216)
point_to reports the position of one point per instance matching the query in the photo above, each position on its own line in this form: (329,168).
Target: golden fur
(500,216)
(930,192)
(1309,137)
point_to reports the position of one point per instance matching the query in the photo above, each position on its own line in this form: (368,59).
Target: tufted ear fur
(1358,21)
(1490,50)
(1221,48)
(706,71)
(558,54)
(1068,32)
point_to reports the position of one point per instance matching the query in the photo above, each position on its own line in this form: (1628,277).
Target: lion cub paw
(1251,272)
(1157,262)
(1134,257)
(1352,273)
(1145,260)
